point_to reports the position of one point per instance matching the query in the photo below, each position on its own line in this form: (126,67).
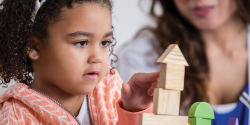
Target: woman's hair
(17,28)
(172,28)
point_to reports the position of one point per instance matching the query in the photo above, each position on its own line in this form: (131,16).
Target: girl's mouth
(203,11)
(91,75)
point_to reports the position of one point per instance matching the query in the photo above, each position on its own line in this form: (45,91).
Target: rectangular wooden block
(172,76)
(152,119)
(166,102)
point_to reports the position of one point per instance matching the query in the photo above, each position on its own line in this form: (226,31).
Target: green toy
(200,113)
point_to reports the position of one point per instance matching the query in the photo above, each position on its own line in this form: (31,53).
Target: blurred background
(129,16)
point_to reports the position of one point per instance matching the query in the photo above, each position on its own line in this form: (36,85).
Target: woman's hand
(137,94)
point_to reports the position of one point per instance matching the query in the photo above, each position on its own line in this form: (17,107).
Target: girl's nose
(96,57)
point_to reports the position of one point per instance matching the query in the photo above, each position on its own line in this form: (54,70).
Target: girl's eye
(105,43)
(81,43)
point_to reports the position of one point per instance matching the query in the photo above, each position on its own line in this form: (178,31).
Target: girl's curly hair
(17,28)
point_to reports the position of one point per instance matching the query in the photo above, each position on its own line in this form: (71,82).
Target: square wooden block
(166,102)
(172,76)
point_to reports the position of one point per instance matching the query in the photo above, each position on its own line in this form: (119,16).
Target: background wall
(128,18)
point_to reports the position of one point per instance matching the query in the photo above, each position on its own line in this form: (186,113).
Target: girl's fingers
(150,99)
(148,77)
(144,80)
(155,84)
(126,91)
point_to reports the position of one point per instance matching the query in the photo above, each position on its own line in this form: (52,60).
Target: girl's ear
(34,49)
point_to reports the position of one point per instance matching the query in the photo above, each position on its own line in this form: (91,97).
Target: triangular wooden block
(173,55)
(152,119)
(233,121)
(166,102)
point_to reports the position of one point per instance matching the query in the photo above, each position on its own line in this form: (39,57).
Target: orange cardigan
(21,105)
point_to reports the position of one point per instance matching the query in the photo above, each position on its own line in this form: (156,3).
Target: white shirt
(83,115)
(224,108)
(138,56)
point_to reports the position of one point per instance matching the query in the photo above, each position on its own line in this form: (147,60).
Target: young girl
(213,36)
(59,50)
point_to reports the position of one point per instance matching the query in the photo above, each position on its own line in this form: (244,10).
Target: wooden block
(174,55)
(172,76)
(166,102)
(152,119)
(199,121)
(233,121)
(201,110)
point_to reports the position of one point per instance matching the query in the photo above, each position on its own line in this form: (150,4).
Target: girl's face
(206,14)
(76,57)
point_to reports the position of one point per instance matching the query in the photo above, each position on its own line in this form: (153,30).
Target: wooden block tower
(167,97)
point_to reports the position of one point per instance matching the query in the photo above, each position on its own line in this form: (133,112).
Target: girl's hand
(137,94)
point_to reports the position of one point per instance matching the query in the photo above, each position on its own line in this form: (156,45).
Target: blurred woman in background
(213,36)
